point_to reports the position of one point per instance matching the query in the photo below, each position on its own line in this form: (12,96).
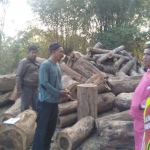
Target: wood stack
(116,74)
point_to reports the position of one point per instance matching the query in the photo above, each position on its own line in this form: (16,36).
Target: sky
(18,14)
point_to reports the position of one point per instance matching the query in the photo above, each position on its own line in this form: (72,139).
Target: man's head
(146,58)
(56,51)
(32,53)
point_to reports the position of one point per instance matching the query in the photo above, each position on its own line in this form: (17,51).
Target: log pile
(113,74)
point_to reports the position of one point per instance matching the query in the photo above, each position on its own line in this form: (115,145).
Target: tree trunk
(116,134)
(4,99)
(105,102)
(67,120)
(132,73)
(69,84)
(70,138)
(84,67)
(7,82)
(73,74)
(118,63)
(124,84)
(123,101)
(120,56)
(127,54)
(97,45)
(87,100)
(135,59)
(101,83)
(40,60)
(12,112)
(141,70)
(127,67)
(67,108)
(20,135)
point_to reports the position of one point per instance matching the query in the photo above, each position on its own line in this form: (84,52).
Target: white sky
(18,14)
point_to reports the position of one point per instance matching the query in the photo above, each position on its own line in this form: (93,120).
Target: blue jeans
(29,97)
(46,124)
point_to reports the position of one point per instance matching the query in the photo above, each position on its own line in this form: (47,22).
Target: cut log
(141,70)
(70,138)
(12,112)
(73,74)
(96,56)
(116,135)
(7,82)
(67,108)
(105,102)
(84,67)
(127,67)
(67,120)
(40,60)
(118,63)
(125,53)
(89,58)
(101,83)
(132,73)
(71,85)
(135,59)
(124,84)
(110,54)
(4,99)
(120,56)
(20,135)
(97,45)
(123,101)
(87,100)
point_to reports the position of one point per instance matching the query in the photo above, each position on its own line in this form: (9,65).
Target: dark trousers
(29,98)
(46,124)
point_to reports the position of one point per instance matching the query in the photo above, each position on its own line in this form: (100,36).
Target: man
(27,80)
(50,92)
(141,94)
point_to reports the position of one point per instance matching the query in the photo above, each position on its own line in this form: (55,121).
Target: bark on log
(124,84)
(73,74)
(96,56)
(119,62)
(105,102)
(20,135)
(132,73)
(97,45)
(84,67)
(116,135)
(120,56)
(110,54)
(127,67)
(4,99)
(7,82)
(12,112)
(40,60)
(67,108)
(101,83)
(123,101)
(87,100)
(135,59)
(70,138)
(141,70)
(125,53)
(69,84)
(67,120)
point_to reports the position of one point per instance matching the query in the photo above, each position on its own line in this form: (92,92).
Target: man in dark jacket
(27,80)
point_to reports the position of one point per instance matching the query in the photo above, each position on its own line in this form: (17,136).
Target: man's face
(58,54)
(146,58)
(32,55)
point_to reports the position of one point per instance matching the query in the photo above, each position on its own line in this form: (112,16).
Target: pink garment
(140,95)
(142,92)
(138,133)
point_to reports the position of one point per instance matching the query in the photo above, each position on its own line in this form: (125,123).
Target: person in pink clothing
(138,102)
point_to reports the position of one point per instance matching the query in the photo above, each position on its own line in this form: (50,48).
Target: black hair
(32,48)
(54,46)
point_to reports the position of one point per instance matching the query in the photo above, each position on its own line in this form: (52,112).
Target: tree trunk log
(7,82)
(70,138)
(67,120)
(132,73)
(73,74)
(84,67)
(127,54)
(141,70)
(116,134)
(105,102)
(120,56)
(124,84)
(12,112)
(20,135)
(87,100)
(135,59)
(97,45)
(123,101)
(127,67)
(4,99)
(69,84)
(40,60)
(67,108)
(118,63)
(101,83)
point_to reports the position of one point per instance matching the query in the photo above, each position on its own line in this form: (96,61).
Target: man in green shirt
(50,92)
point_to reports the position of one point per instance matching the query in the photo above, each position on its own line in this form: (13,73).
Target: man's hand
(64,94)
(19,94)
